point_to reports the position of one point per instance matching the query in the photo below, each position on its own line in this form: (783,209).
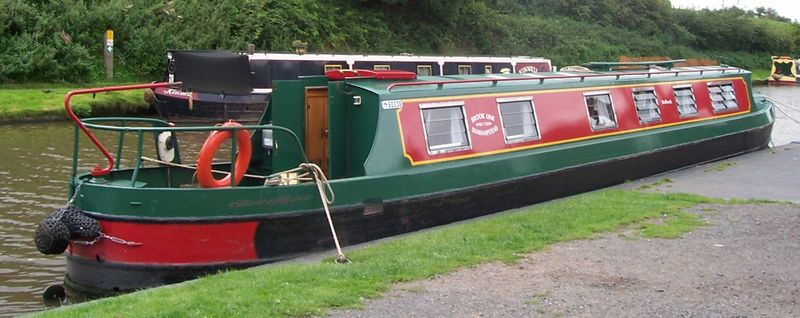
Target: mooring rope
(324,188)
(326,194)
(782,111)
(192,167)
(75,194)
(268,180)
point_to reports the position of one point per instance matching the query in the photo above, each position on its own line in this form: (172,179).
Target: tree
(769,13)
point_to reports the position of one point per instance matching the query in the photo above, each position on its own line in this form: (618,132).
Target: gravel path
(746,263)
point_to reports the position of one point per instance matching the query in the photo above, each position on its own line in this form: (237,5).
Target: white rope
(268,180)
(284,177)
(324,188)
(781,110)
(75,194)
(195,168)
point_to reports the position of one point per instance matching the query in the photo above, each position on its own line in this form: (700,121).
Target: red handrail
(97,170)
(541,79)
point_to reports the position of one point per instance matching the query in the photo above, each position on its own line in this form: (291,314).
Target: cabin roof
(548,80)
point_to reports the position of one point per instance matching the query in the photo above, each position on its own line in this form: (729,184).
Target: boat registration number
(392,104)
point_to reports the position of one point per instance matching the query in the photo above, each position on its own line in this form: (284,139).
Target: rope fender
(55,232)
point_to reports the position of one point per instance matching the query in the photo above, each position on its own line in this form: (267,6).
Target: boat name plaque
(483,124)
(392,104)
(177,92)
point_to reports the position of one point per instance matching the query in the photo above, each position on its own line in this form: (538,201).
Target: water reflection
(34,169)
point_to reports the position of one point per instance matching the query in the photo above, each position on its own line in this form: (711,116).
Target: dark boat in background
(220,85)
(400,152)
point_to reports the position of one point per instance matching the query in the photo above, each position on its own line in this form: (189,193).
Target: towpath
(746,263)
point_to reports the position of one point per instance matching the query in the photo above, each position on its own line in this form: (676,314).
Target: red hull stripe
(175,243)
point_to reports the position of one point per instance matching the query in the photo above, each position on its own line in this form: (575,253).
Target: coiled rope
(271,180)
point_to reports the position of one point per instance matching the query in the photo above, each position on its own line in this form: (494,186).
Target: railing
(582,77)
(157,126)
(140,131)
(97,170)
(87,123)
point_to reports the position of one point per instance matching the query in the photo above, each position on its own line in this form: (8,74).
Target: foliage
(33,46)
(61,40)
(649,17)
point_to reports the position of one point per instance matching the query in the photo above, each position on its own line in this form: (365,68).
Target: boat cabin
(366,126)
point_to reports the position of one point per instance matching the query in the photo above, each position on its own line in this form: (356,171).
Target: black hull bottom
(277,239)
(212,108)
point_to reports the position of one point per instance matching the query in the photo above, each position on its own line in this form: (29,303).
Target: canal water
(36,159)
(787,114)
(35,162)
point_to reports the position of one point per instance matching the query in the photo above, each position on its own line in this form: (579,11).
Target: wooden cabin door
(317,126)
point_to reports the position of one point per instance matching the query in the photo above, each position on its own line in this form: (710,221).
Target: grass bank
(42,102)
(760,75)
(311,289)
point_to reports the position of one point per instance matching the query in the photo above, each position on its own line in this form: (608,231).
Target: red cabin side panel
(561,116)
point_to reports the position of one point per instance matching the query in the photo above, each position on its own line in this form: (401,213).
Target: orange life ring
(210,146)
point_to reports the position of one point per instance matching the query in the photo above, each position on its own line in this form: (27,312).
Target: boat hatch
(316,134)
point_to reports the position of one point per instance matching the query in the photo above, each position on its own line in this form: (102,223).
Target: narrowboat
(783,72)
(357,155)
(241,83)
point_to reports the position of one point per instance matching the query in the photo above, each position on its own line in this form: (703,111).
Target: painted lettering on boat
(267,202)
(483,124)
(527,69)
(177,92)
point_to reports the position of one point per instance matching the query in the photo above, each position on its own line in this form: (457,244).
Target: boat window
(464,69)
(646,105)
(487,69)
(722,96)
(518,120)
(601,112)
(331,67)
(684,97)
(424,70)
(445,128)
(382,67)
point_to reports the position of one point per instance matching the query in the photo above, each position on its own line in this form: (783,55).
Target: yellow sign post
(108,53)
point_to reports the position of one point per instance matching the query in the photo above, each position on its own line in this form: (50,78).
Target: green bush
(61,40)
